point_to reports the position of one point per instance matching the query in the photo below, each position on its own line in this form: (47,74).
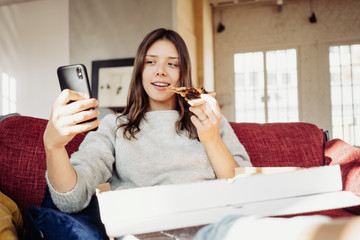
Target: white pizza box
(165,207)
(246,171)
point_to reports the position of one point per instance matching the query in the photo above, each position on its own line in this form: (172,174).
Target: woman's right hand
(67,119)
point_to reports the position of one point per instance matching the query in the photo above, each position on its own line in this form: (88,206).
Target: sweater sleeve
(232,142)
(93,163)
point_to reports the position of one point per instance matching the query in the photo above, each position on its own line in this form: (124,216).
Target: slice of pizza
(192,95)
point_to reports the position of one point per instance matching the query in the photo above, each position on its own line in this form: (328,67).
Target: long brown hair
(138,100)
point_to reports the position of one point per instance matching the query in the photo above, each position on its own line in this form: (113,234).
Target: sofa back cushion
(23,161)
(282,144)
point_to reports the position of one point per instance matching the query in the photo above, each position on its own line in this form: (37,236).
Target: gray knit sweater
(158,156)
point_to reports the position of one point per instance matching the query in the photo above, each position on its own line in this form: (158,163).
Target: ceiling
(223,3)
(8,2)
(214,3)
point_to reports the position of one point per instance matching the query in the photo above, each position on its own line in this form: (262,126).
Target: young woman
(158,139)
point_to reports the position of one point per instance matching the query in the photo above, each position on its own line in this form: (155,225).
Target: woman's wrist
(212,143)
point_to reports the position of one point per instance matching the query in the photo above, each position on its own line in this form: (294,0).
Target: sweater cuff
(71,201)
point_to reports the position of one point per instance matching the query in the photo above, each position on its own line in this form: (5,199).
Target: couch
(23,162)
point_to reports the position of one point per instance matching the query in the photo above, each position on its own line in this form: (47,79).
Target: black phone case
(74,77)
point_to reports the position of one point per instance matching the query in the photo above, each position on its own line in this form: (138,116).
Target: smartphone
(74,77)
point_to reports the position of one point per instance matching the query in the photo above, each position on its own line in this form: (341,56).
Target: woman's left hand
(207,118)
(207,121)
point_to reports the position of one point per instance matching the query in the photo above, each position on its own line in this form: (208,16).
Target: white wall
(34,41)
(39,36)
(107,29)
(208,49)
(259,26)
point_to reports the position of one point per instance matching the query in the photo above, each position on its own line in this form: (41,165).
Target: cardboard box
(165,207)
(247,171)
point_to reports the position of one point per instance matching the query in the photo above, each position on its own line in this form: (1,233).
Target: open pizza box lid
(165,207)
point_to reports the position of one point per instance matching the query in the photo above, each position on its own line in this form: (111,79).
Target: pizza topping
(194,96)
(189,93)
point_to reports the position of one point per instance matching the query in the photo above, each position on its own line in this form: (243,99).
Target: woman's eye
(173,64)
(150,61)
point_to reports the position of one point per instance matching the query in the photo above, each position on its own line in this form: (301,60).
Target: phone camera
(79,73)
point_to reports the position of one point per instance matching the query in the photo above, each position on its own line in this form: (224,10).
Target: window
(266,86)
(345,92)
(8,94)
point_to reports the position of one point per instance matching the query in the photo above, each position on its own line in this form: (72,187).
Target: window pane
(5,85)
(12,95)
(345,88)
(281,99)
(249,87)
(355,54)
(282,93)
(8,94)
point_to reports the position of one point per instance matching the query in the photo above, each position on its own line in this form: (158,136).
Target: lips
(161,84)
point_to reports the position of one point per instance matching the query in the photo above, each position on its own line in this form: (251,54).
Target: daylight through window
(345,92)
(8,86)
(266,86)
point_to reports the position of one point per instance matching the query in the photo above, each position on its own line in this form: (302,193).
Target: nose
(160,71)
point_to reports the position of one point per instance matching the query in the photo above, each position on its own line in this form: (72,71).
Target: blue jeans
(48,222)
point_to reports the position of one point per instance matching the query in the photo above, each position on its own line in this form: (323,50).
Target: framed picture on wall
(110,82)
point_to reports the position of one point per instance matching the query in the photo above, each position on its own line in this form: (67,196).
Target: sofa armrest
(348,157)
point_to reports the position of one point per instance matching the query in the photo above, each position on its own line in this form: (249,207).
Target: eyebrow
(155,56)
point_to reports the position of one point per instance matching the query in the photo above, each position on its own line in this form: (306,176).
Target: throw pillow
(348,157)
(11,222)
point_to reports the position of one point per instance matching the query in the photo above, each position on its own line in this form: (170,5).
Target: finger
(69,120)
(200,114)
(74,113)
(79,128)
(208,112)
(195,120)
(84,116)
(218,111)
(81,105)
(86,126)
(76,107)
(211,101)
(68,95)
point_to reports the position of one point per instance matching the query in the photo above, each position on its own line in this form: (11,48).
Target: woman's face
(161,70)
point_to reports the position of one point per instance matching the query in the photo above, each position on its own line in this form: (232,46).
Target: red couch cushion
(23,161)
(282,144)
(348,157)
(334,213)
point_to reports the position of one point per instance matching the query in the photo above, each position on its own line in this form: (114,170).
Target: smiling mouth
(160,84)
